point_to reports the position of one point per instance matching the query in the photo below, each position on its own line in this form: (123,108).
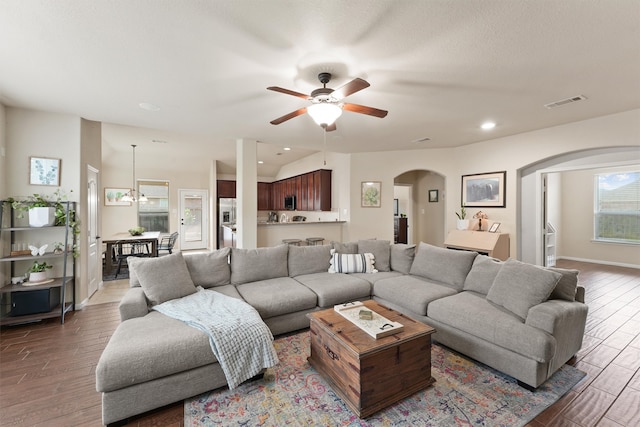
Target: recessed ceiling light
(488,125)
(260,162)
(148,106)
(287,148)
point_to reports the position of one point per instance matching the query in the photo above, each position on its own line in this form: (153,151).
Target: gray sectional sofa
(523,320)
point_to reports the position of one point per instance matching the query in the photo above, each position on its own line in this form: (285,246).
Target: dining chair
(127,248)
(167,243)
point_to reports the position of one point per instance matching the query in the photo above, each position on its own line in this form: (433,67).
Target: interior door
(94,252)
(194,219)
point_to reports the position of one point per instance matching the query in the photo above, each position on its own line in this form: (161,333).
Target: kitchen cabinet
(226,188)
(264,196)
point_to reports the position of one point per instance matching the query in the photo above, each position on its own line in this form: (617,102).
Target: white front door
(94,254)
(194,219)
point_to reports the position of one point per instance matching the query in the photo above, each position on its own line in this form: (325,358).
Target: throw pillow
(308,259)
(345,248)
(401,257)
(381,250)
(208,269)
(447,266)
(519,286)
(164,278)
(251,265)
(483,272)
(351,263)
(567,285)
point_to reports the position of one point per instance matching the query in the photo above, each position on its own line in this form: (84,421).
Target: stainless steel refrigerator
(226,215)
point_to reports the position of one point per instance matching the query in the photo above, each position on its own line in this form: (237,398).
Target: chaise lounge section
(521,319)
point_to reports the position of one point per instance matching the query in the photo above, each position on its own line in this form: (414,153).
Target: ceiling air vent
(565,101)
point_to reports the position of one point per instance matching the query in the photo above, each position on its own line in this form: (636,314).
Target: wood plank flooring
(47,370)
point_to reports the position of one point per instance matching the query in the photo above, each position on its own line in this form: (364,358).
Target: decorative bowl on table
(136,231)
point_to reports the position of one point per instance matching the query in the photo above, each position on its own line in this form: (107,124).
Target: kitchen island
(272,233)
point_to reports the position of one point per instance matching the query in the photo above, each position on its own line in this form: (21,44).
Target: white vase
(39,276)
(462,224)
(42,216)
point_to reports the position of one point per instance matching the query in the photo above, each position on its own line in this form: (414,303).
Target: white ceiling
(440,68)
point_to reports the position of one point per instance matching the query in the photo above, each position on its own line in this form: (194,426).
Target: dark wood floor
(47,370)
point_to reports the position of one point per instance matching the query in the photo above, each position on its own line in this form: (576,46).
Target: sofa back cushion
(345,248)
(164,278)
(483,272)
(402,257)
(308,259)
(209,269)
(250,265)
(518,286)
(381,250)
(567,285)
(447,266)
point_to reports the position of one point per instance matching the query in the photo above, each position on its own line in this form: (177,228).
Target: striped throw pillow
(352,263)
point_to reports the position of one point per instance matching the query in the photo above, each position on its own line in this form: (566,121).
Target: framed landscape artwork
(44,171)
(113,196)
(370,194)
(484,190)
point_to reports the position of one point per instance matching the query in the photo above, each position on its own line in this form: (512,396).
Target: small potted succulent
(462,223)
(38,271)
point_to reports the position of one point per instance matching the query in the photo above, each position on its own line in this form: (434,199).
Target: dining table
(151,237)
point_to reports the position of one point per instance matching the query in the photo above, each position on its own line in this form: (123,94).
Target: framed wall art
(44,171)
(484,190)
(370,194)
(113,196)
(433,196)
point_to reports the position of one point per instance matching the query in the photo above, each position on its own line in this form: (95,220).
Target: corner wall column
(247,193)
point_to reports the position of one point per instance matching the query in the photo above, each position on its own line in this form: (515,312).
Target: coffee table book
(369,374)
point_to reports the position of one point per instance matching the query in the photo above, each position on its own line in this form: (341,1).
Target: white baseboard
(599,261)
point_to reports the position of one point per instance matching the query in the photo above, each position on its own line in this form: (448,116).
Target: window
(617,207)
(153,215)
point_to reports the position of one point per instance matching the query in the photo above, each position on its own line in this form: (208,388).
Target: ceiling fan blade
(289,116)
(355,108)
(350,88)
(288,92)
(330,128)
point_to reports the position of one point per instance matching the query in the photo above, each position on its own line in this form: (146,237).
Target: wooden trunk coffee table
(370,374)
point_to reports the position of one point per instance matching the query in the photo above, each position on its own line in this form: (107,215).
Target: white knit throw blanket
(240,340)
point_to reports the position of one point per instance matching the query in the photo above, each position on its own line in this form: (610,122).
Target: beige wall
(576,227)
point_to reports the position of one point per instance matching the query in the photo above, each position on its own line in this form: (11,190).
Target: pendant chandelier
(131,195)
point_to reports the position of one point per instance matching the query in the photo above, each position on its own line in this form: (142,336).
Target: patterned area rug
(294,394)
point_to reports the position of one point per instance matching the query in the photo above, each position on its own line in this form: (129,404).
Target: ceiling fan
(326,104)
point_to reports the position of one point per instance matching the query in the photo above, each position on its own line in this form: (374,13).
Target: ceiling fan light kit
(327,103)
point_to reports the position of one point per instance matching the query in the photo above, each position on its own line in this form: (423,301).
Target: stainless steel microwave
(290,203)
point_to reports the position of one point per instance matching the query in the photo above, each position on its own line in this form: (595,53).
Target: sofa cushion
(308,259)
(351,263)
(208,269)
(402,257)
(150,347)
(472,313)
(381,250)
(164,278)
(249,265)
(442,265)
(333,289)
(345,248)
(518,286)
(483,272)
(274,297)
(411,292)
(567,285)
(373,278)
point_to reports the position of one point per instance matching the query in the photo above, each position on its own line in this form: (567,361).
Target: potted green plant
(54,203)
(462,223)
(38,271)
